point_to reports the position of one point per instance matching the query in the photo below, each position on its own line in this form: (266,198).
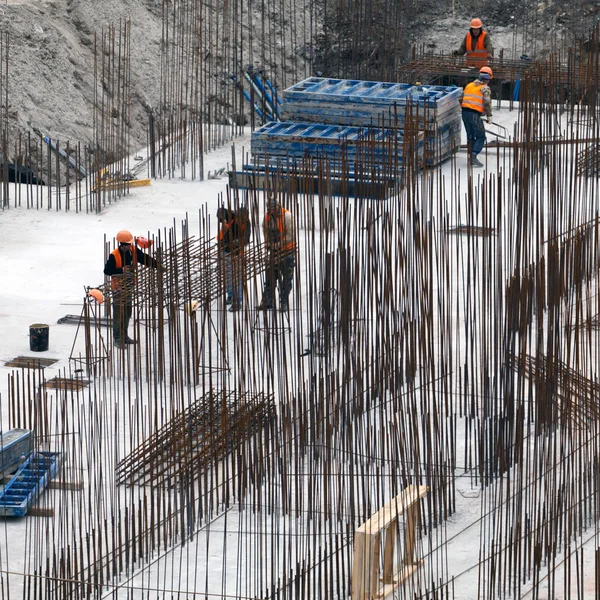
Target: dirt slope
(51,64)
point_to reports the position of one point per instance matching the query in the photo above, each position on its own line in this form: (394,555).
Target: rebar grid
(460,362)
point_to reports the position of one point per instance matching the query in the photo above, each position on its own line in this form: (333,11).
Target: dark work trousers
(280,272)
(232,266)
(121,312)
(475,131)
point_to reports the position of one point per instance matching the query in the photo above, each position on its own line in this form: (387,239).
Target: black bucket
(38,337)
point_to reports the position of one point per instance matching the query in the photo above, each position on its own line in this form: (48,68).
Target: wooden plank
(399,579)
(374,572)
(75,486)
(365,578)
(38,511)
(30,362)
(367,546)
(383,517)
(358,563)
(388,552)
(410,534)
(132,183)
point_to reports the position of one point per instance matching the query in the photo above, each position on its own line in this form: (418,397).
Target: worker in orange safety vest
(475,102)
(120,266)
(476,45)
(279,231)
(231,244)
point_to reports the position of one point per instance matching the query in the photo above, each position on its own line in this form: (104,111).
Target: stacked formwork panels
(435,110)
(366,131)
(297,140)
(365,162)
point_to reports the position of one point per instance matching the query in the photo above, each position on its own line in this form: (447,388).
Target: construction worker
(476,45)
(120,266)
(477,100)
(280,236)
(230,247)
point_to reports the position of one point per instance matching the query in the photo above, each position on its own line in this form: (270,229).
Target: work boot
(129,340)
(265,305)
(283,306)
(118,343)
(235,307)
(475,162)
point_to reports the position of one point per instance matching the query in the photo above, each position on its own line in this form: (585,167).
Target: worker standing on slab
(477,100)
(476,45)
(230,246)
(120,267)
(280,236)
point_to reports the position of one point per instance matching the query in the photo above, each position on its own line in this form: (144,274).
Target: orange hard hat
(97,295)
(476,23)
(486,70)
(143,242)
(124,237)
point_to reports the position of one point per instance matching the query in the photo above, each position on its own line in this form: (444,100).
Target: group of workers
(279,233)
(278,224)
(234,234)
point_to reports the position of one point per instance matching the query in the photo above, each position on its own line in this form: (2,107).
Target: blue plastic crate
(28,483)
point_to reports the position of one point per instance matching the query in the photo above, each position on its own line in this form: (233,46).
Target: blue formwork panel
(361,187)
(331,168)
(15,446)
(442,141)
(368,103)
(28,483)
(297,140)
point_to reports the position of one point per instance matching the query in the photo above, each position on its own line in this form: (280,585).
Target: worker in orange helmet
(279,230)
(230,245)
(476,101)
(120,267)
(476,45)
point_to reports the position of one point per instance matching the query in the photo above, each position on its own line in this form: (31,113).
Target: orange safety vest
(116,281)
(476,57)
(236,248)
(224,229)
(280,228)
(473,97)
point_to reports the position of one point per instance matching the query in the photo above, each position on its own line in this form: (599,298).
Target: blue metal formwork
(297,140)
(15,445)
(28,483)
(316,176)
(364,103)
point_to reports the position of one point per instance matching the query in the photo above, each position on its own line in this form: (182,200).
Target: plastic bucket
(39,334)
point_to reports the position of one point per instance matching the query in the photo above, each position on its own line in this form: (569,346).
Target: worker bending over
(477,100)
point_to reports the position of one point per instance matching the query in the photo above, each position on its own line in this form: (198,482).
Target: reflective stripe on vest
(473,97)
(225,228)
(116,280)
(476,57)
(280,227)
